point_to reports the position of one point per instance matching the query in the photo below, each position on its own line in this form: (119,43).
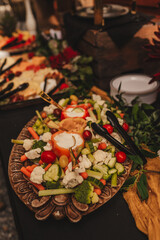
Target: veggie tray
(60,167)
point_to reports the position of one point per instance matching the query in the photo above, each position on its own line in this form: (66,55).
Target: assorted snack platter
(60,166)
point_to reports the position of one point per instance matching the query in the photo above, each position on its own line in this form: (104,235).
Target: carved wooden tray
(59,206)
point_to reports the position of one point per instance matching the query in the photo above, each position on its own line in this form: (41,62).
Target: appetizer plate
(109,11)
(58,206)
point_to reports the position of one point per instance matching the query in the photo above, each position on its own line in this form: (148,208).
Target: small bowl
(135,85)
(4,54)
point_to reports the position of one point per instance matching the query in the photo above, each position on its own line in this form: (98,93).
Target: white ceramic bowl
(133,85)
(4,54)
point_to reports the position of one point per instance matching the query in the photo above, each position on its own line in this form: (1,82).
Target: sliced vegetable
(101,168)
(89,146)
(55,192)
(33,133)
(95,182)
(25,172)
(24,158)
(120,168)
(112,162)
(53,173)
(94,174)
(112,171)
(114,180)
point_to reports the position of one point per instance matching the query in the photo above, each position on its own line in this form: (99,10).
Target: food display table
(112,221)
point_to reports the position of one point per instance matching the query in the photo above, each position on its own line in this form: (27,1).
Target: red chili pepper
(63,86)
(67,112)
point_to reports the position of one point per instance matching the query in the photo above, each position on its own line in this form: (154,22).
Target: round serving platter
(58,206)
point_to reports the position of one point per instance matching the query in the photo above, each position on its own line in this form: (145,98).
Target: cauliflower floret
(101,157)
(84,161)
(158,153)
(27,144)
(72,179)
(83,164)
(49,109)
(48,147)
(46,137)
(121,121)
(37,175)
(96,97)
(34,153)
(116,136)
(103,114)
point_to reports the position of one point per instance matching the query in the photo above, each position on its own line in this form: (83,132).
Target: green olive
(63,161)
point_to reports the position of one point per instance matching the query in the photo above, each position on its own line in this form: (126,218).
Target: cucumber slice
(119,167)
(55,191)
(52,185)
(85,151)
(112,171)
(78,110)
(95,182)
(112,162)
(101,168)
(53,173)
(114,180)
(97,175)
(106,176)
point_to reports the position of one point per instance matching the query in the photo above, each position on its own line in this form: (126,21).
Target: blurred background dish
(135,85)
(109,11)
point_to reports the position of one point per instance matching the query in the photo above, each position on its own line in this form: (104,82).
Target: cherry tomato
(125,127)
(108,127)
(102,146)
(48,157)
(121,157)
(64,85)
(84,175)
(87,135)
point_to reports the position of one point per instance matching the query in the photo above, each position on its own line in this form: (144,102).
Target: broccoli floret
(84,192)
(39,144)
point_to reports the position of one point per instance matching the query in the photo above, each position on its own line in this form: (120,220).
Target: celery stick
(39,115)
(92,115)
(17,141)
(49,192)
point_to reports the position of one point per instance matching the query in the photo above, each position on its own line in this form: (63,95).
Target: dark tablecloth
(112,221)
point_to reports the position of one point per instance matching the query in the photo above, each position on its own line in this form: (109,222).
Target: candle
(98,12)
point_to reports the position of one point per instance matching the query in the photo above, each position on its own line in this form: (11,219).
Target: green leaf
(142,187)
(129,182)
(136,159)
(148,154)
(147,106)
(135,111)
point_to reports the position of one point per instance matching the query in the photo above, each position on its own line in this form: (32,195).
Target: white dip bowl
(135,85)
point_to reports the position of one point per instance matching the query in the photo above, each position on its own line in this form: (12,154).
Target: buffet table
(112,221)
